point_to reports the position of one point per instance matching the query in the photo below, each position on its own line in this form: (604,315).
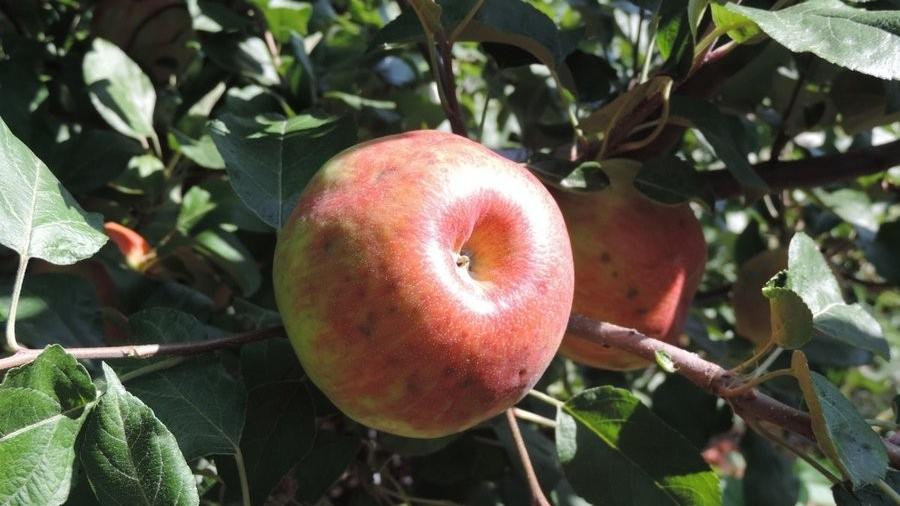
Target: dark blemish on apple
(615,274)
(412,385)
(449,371)
(605,345)
(522,372)
(632,292)
(604,257)
(642,311)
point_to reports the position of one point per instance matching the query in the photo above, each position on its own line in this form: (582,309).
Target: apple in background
(424,281)
(751,308)
(637,264)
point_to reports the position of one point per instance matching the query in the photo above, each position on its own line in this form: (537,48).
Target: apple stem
(535,486)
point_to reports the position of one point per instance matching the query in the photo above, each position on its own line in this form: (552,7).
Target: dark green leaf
(129,456)
(227,252)
(692,412)
(671,180)
(56,308)
(199,402)
(770,478)
(270,159)
(614,450)
(716,128)
(280,428)
(53,227)
(323,465)
(842,433)
(42,408)
(861,40)
(870,495)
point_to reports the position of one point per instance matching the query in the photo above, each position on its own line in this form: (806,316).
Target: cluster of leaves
(198,123)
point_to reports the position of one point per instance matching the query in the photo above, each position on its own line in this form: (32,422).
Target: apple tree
(729,176)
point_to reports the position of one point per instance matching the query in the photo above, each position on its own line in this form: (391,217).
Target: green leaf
(718,131)
(56,308)
(696,9)
(541,452)
(671,180)
(861,40)
(842,433)
(245,55)
(692,412)
(518,24)
(199,402)
(38,217)
(792,321)
(201,151)
(664,361)
(579,176)
(323,465)
(92,158)
(230,254)
(42,408)
(120,91)
(128,454)
(870,495)
(851,324)
(770,478)
(810,277)
(738,27)
(674,37)
(283,16)
(280,426)
(615,451)
(195,204)
(270,159)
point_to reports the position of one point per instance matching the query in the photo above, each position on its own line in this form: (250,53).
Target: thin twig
(536,493)
(811,171)
(711,377)
(528,416)
(150,350)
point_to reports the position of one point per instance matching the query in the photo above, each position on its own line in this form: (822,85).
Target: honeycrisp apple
(637,264)
(424,281)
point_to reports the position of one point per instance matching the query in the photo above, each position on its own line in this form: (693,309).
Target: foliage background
(198,123)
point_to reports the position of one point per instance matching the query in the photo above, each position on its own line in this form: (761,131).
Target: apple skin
(637,264)
(384,314)
(752,319)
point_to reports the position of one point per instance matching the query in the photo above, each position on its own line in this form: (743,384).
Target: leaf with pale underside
(120,91)
(810,277)
(861,40)
(38,217)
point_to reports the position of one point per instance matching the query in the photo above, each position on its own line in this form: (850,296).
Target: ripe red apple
(752,318)
(637,264)
(424,281)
